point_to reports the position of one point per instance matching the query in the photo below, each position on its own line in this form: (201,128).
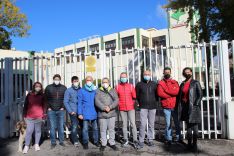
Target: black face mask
(187,76)
(167,76)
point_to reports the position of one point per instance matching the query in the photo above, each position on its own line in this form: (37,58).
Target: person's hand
(61,108)
(107,109)
(49,109)
(73,113)
(80,117)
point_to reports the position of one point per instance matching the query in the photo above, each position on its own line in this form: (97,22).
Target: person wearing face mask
(54,95)
(189,101)
(87,112)
(106,101)
(33,112)
(148,102)
(168,90)
(71,103)
(127,96)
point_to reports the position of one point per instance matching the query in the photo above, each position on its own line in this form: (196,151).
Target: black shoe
(97,144)
(86,146)
(114,147)
(125,143)
(102,148)
(135,144)
(62,144)
(151,144)
(189,147)
(52,146)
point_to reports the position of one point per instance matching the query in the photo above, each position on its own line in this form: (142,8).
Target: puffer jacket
(86,105)
(71,99)
(168,90)
(127,95)
(191,111)
(54,95)
(104,98)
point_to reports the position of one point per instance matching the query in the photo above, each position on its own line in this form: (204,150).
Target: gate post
(5,116)
(227,126)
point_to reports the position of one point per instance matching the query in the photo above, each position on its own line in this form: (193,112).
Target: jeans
(56,119)
(147,114)
(107,124)
(85,131)
(31,126)
(74,128)
(129,115)
(168,130)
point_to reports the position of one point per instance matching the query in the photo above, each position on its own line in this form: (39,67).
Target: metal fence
(208,61)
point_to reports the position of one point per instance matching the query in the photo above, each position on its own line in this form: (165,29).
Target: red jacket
(127,94)
(34,106)
(167,91)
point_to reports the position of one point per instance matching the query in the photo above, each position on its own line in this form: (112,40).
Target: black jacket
(54,95)
(191,111)
(147,95)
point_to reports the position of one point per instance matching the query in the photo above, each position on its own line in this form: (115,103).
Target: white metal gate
(18,75)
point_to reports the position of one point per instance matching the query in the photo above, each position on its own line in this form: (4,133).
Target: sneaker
(135,144)
(97,144)
(37,147)
(76,144)
(52,146)
(140,145)
(125,143)
(102,148)
(114,147)
(86,146)
(25,151)
(151,144)
(62,144)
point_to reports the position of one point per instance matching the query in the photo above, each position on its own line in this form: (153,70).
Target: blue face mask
(146,78)
(89,83)
(123,79)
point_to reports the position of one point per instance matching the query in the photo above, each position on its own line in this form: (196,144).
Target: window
(158,41)
(80,50)
(145,42)
(110,45)
(128,42)
(94,48)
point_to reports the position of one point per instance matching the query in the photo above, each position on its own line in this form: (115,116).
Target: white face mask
(38,89)
(105,85)
(89,83)
(56,82)
(76,84)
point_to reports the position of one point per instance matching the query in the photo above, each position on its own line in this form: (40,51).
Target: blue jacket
(86,105)
(71,99)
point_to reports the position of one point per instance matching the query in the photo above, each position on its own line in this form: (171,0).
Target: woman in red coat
(127,96)
(33,113)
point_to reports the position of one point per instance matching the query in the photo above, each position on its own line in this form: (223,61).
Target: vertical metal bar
(144,58)
(139,66)
(133,67)
(179,64)
(28,73)
(47,72)
(116,68)
(200,78)
(156,61)
(16,79)
(207,91)
(20,78)
(38,66)
(192,48)
(151,69)
(51,68)
(2,87)
(24,90)
(127,63)
(42,74)
(111,69)
(162,55)
(96,69)
(213,88)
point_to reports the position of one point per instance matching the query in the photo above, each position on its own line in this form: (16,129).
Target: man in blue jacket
(71,102)
(87,111)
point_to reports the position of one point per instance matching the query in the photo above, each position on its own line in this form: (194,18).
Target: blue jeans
(74,128)
(85,131)
(168,130)
(56,119)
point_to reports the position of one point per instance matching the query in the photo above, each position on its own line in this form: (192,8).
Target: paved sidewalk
(206,147)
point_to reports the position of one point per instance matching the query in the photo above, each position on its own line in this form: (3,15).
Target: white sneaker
(25,151)
(37,147)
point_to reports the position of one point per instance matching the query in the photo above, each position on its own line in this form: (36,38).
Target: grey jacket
(104,98)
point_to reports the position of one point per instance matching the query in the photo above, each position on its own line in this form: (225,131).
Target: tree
(12,23)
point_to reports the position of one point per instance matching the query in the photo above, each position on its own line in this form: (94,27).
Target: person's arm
(199,94)
(133,92)
(174,90)
(80,104)
(138,92)
(25,109)
(66,101)
(115,102)
(161,93)
(98,103)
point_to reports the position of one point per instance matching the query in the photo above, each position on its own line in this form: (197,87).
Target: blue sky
(56,23)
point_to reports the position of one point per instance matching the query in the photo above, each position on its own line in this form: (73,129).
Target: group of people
(98,108)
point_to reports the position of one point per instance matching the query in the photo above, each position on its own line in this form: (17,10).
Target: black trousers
(192,136)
